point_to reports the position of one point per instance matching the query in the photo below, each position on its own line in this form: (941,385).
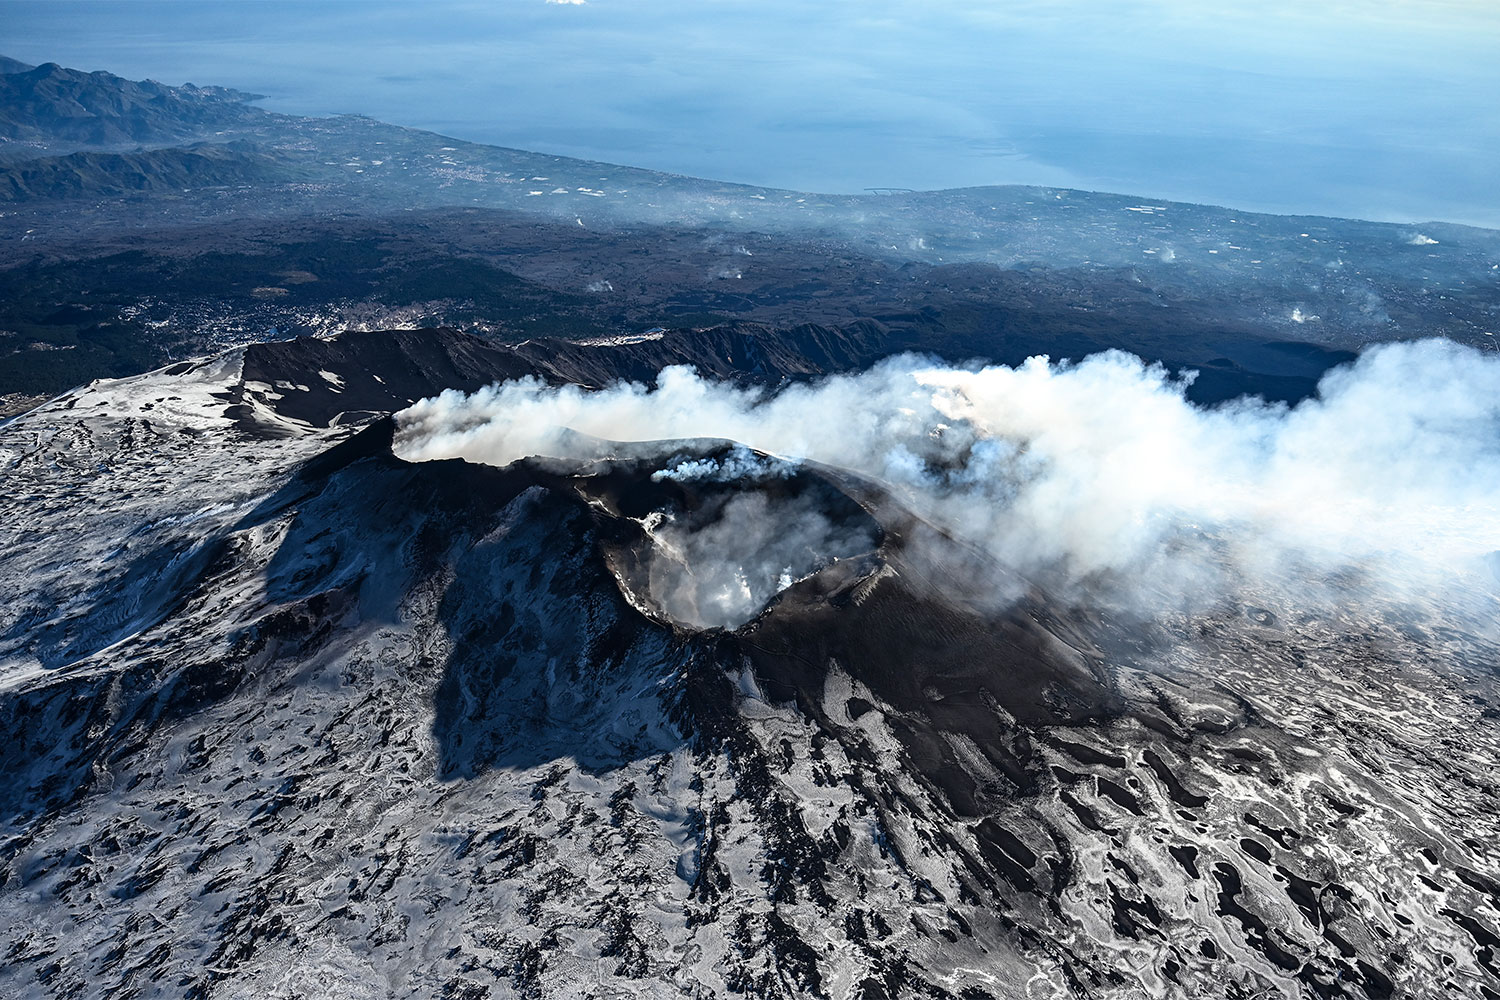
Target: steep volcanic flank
(388,728)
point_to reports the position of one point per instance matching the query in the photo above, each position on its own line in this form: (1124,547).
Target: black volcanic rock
(377,372)
(747,352)
(360,373)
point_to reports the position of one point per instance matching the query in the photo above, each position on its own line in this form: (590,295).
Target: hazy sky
(1387,110)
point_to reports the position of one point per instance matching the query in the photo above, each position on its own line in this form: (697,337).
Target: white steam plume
(1098,473)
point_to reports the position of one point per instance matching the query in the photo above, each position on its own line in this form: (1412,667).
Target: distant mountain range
(53,104)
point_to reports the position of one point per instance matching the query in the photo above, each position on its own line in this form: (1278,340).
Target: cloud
(1099,478)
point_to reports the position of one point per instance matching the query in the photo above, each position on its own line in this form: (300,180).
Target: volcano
(286,715)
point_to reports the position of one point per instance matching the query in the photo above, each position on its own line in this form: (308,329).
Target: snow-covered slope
(284,715)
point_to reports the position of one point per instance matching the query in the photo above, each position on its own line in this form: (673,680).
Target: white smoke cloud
(1098,474)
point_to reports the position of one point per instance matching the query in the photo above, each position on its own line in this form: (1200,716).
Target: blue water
(1380,110)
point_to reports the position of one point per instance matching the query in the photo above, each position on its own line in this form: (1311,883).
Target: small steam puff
(1100,473)
(741,464)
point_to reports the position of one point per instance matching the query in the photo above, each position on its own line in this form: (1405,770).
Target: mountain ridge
(53,103)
